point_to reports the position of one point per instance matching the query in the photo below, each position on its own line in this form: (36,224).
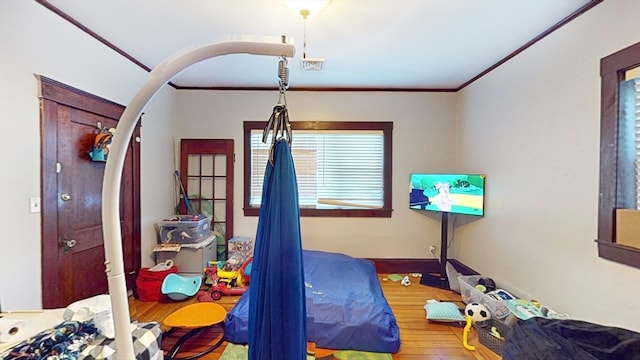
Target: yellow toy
(234,273)
(465,334)
(229,280)
(228,277)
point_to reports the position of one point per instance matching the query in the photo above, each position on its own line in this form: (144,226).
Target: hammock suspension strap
(278,122)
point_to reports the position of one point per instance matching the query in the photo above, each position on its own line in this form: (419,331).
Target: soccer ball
(477,312)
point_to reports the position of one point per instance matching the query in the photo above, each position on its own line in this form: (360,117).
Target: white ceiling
(368,44)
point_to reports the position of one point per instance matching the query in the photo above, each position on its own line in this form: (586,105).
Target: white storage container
(192,258)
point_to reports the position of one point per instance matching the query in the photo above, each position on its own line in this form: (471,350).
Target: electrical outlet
(432,249)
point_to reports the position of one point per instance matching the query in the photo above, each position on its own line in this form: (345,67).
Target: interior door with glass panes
(206,171)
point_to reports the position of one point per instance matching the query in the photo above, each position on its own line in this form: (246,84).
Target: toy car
(231,282)
(220,289)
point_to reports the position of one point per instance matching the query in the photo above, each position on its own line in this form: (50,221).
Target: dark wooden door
(206,171)
(72,240)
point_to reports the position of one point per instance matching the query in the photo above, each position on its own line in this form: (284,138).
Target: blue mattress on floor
(346,308)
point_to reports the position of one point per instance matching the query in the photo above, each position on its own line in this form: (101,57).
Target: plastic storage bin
(192,259)
(184,229)
(498,308)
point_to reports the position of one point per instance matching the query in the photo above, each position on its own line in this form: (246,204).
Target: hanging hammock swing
(277,310)
(158,77)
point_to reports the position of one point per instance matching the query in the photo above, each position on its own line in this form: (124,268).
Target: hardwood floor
(421,339)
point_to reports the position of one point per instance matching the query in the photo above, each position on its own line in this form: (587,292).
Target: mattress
(346,308)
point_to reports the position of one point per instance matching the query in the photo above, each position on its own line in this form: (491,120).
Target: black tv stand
(440,280)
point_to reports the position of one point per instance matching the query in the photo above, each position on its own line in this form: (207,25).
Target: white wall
(423,140)
(533,126)
(157,164)
(33,40)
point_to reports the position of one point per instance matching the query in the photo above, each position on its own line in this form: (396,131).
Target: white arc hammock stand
(158,77)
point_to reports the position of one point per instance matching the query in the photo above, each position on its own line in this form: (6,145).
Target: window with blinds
(619,149)
(342,168)
(628,143)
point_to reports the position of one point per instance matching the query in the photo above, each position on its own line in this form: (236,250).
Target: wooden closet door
(206,172)
(72,242)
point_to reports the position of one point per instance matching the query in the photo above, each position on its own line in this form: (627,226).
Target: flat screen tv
(450,193)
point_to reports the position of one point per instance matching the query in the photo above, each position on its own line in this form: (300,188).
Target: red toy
(220,289)
(234,282)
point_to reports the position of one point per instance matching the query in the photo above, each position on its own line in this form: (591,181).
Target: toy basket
(487,339)
(149,283)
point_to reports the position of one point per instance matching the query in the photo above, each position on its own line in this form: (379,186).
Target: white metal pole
(158,77)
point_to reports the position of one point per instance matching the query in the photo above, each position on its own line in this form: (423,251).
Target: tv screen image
(451,193)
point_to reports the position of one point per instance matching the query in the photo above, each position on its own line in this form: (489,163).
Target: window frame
(612,70)
(385,126)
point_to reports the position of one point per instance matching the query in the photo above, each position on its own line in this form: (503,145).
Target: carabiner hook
(282,99)
(279,120)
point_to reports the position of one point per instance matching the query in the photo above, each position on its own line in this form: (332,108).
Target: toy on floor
(230,282)
(477,312)
(195,318)
(474,312)
(465,335)
(231,272)
(210,272)
(179,287)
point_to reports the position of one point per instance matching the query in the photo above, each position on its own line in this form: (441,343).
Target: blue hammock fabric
(277,308)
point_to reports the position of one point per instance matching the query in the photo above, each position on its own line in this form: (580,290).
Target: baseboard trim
(421,266)
(462,268)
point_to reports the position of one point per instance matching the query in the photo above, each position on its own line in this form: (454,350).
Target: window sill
(379,213)
(619,253)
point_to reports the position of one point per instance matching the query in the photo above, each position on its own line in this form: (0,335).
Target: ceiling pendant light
(308,9)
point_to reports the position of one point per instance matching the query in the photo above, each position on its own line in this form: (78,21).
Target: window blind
(335,169)
(637,137)
(627,194)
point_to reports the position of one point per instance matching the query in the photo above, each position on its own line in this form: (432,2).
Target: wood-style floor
(421,339)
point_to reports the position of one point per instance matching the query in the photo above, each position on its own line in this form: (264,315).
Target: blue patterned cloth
(147,338)
(62,342)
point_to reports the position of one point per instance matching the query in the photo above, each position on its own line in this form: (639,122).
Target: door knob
(65,197)
(69,243)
